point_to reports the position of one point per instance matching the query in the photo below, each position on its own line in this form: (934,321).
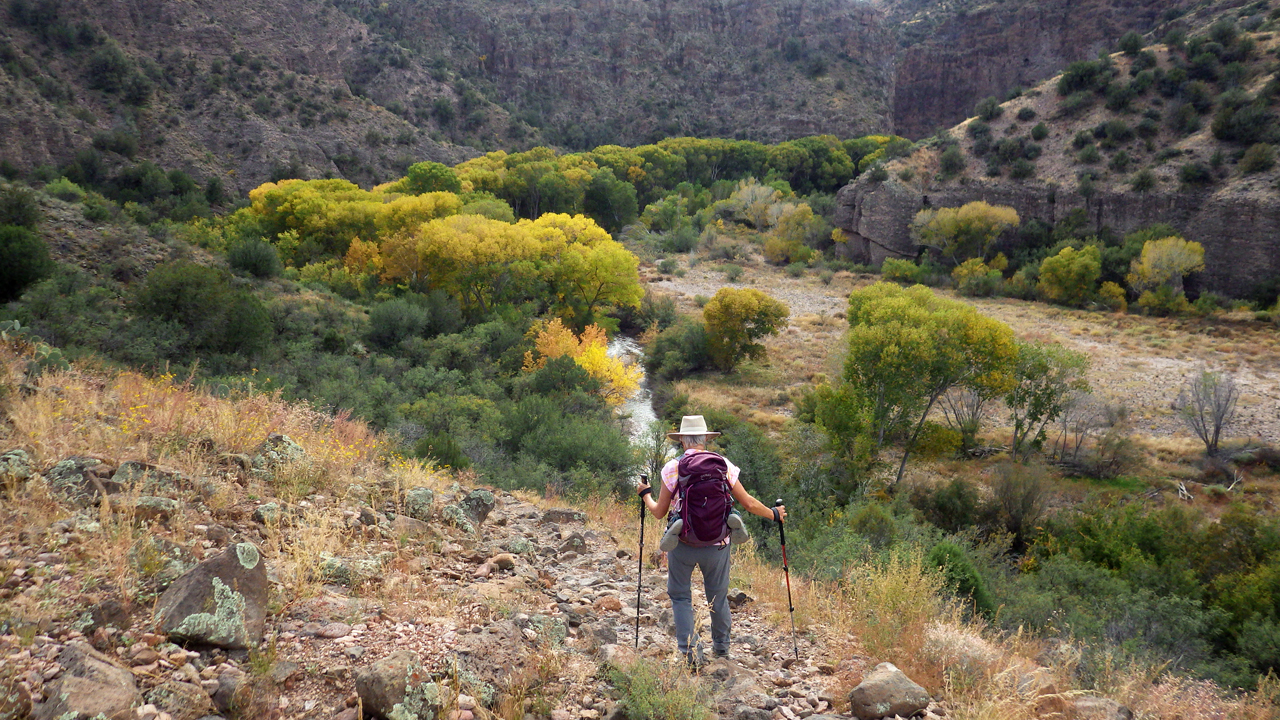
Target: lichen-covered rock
(559,516)
(15,700)
(349,571)
(183,701)
(456,515)
(82,480)
(418,503)
(518,546)
(222,601)
(275,451)
(90,685)
(145,478)
(886,691)
(15,467)
(267,513)
(154,508)
(478,504)
(397,687)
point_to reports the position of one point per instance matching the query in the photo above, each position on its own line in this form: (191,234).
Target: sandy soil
(1138,361)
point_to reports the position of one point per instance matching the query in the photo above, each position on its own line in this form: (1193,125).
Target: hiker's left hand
(782,512)
(644,485)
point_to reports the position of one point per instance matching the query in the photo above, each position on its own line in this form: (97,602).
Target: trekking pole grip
(782,534)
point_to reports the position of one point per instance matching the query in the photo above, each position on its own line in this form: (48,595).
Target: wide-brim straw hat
(691,425)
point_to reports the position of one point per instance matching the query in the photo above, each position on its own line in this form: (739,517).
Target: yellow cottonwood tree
(590,351)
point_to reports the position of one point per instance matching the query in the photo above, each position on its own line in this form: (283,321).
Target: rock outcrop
(1240,232)
(950,59)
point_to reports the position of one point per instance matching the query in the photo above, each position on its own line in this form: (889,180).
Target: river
(637,411)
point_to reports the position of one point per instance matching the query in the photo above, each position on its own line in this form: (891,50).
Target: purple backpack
(705,498)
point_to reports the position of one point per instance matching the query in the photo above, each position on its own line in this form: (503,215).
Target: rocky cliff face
(618,71)
(1240,232)
(954,54)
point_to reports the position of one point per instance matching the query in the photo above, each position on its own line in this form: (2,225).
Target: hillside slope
(1182,135)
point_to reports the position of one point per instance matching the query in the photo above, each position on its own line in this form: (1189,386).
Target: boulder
(456,515)
(221,601)
(884,692)
(155,509)
(478,504)
(82,480)
(418,503)
(275,451)
(232,684)
(147,479)
(398,684)
(15,700)
(1096,708)
(90,685)
(181,700)
(559,516)
(15,467)
(108,613)
(518,546)
(349,571)
(403,525)
(267,513)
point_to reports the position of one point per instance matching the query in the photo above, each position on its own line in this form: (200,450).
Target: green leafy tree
(610,201)
(1071,276)
(425,177)
(24,259)
(735,320)
(907,348)
(958,234)
(1046,379)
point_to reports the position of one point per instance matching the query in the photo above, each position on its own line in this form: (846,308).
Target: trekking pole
(640,569)
(791,608)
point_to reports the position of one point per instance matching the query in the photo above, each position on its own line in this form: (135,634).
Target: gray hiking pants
(714,563)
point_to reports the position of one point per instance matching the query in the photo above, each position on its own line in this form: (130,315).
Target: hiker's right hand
(782,512)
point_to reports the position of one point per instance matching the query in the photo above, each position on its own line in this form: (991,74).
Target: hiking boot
(696,662)
(672,537)
(737,529)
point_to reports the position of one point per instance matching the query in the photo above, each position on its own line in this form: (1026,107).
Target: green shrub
(873,522)
(1130,43)
(119,141)
(64,189)
(1089,154)
(1248,124)
(97,208)
(443,449)
(666,266)
(647,690)
(1194,173)
(1022,169)
(201,301)
(962,577)
(732,273)
(19,206)
(24,259)
(1026,114)
(1083,76)
(256,257)
(678,351)
(1039,132)
(1120,161)
(952,161)
(394,321)
(796,269)
(425,177)
(953,507)
(938,441)
(1143,180)
(988,109)
(1259,157)
(878,174)
(900,270)
(1164,300)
